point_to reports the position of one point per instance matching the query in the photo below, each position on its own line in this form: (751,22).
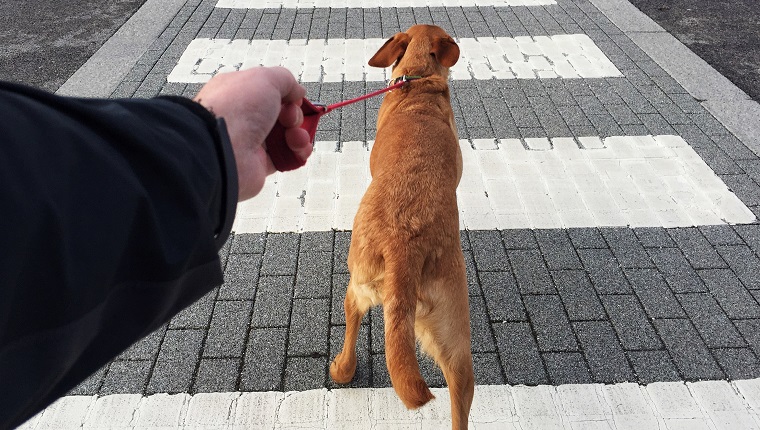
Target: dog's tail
(402,278)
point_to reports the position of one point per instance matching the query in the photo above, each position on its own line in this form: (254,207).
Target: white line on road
(637,181)
(303,4)
(672,405)
(336,60)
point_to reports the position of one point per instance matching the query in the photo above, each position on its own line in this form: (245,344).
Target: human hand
(251,101)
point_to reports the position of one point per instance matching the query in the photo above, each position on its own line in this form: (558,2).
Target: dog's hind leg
(343,367)
(457,369)
(445,335)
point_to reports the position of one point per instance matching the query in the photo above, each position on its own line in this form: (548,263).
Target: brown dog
(405,248)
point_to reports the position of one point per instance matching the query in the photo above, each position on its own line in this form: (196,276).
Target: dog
(405,252)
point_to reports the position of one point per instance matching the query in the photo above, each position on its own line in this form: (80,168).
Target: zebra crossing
(608,224)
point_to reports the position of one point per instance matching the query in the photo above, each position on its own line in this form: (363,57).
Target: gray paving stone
(181,345)
(304,373)
(557,249)
(377,329)
(431,373)
(342,241)
(480,329)
(363,376)
(339,285)
(91,385)
(744,187)
(309,328)
(626,247)
(280,254)
(126,377)
(721,235)
(229,325)
(732,296)
(217,375)
(502,297)
(313,274)
(718,160)
(488,250)
(487,368)
(604,271)
(519,239)
(653,366)
(197,315)
(738,363)
(519,354)
(743,262)
(710,321)
(248,243)
(567,368)
(271,308)
(690,355)
(146,348)
(550,324)
(603,353)
(473,288)
(750,331)
(631,322)
(530,272)
(241,277)
(464,239)
(751,235)
(380,376)
(586,238)
(264,362)
(653,293)
(679,274)
(578,295)
(734,148)
(171,376)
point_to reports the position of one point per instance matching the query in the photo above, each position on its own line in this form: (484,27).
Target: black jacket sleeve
(112,213)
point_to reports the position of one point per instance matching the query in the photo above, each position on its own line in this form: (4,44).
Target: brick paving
(548,306)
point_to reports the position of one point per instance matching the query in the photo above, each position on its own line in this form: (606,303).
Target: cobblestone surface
(548,306)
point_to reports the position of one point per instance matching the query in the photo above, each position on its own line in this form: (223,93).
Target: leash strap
(283,158)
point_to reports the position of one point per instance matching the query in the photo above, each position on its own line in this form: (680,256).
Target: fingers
(284,82)
(291,115)
(299,141)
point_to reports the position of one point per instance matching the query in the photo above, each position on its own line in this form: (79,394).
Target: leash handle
(283,158)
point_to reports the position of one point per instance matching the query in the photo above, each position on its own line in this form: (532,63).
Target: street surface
(608,214)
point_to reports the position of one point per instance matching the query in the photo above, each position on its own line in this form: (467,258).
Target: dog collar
(404,79)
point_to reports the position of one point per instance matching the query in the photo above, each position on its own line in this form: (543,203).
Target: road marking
(637,181)
(302,4)
(674,404)
(336,60)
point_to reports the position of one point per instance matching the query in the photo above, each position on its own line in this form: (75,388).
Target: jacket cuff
(226,156)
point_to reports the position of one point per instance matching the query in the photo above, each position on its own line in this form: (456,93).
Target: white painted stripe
(336,60)
(673,405)
(305,4)
(638,181)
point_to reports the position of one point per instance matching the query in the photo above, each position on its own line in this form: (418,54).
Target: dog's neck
(427,84)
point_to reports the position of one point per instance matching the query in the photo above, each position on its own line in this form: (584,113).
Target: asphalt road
(725,33)
(43,42)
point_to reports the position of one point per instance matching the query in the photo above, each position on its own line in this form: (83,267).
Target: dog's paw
(342,369)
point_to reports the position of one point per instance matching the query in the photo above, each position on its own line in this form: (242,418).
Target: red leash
(283,157)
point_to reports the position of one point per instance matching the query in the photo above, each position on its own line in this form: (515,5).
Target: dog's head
(423,50)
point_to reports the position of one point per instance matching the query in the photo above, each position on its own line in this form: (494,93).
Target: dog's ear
(446,51)
(390,51)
